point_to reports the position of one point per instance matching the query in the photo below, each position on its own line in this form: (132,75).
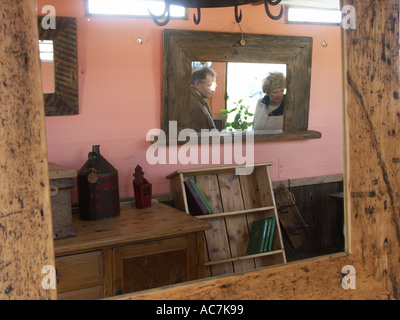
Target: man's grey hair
(200,74)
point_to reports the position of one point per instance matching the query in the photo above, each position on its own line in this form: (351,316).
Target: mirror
(182,47)
(239,84)
(63,99)
(47,65)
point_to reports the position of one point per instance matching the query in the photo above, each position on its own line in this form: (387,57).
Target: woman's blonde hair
(273,81)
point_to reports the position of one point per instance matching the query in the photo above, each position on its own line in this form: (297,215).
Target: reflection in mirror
(239,90)
(63,99)
(47,65)
(244,89)
(182,47)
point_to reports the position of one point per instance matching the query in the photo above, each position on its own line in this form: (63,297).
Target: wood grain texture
(59,172)
(237,202)
(217,241)
(288,282)
(181,47)
(79,271)
(371,94)
(133,225)
(372,189)
(290,218)
(324,214)
(26,239)
(237,228)
(124,254)
(65,99)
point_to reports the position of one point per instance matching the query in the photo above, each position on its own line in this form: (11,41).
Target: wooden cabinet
(140,249)
(154,264)
(80,274)
(237,200)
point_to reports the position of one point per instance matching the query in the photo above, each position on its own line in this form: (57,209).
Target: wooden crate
(237,200)
(61,183)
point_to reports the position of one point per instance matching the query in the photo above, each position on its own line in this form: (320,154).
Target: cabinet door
(152,264)
(80,271)
(93,293)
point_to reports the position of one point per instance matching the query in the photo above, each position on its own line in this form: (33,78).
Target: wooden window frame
(181,47)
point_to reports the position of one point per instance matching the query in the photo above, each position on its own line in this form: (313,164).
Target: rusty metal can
(98,190)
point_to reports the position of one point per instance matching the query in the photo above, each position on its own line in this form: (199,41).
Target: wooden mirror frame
(64,100)
(181,47)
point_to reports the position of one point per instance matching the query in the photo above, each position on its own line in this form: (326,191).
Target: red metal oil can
(98,188)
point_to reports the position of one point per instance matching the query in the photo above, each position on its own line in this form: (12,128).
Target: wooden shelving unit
(237,200)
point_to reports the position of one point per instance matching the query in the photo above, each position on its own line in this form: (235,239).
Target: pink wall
(120,95)
(47,76)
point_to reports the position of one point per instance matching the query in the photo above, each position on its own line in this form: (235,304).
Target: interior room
(112,98)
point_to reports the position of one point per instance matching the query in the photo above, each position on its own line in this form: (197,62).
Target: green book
(265,245)
(271,233)
(257,236)
(203,197)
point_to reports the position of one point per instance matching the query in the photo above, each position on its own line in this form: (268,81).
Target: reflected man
(203,86)
(269,109)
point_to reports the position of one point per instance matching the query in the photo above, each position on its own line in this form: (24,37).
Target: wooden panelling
(26,236)
(324,215)
(151,270)
(302,280)
(371,80)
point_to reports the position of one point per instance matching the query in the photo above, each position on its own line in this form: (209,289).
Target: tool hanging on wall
(290,218)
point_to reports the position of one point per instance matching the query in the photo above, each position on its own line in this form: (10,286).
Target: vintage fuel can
(98,188)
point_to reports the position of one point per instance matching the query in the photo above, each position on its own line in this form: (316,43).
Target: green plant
(240,120)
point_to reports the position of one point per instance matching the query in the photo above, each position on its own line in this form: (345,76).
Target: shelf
(234,213)
(241,258)
(237,201)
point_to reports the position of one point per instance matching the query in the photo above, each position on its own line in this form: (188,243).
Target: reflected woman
(269,109)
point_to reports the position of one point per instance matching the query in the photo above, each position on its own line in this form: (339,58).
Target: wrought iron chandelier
(163,19)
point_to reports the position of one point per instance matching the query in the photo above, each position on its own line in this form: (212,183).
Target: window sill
(265,135)
(224,137)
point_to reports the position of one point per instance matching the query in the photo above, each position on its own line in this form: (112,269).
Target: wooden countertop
(132,226)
